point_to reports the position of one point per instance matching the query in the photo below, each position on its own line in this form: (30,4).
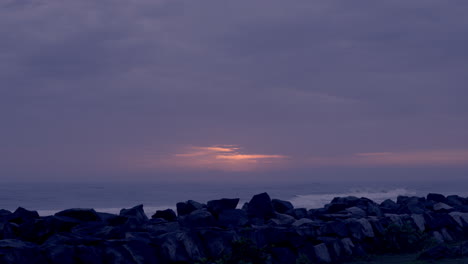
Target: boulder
(281,206)
(359,228)
(232,218)
(455,200)
(281,255)
(419,221)
(80,214)
(321,253)
(335,228)
(442,207)
(198,218)
(136,212)
(185,208)
(438,198)
(21,215)
(302,221)
(217,206)
(168,215)
(282,220)
(439,252)
(356,212)
(217,243)
(389,206)
(260,207)
(179,247)
(14,251)
(299,213)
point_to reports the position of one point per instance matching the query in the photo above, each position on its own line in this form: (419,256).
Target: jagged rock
(460,218)
(301,222)
(89,254)
(232,218)
(217,206)
(281,255)
(348,245)
(419,221)
(442,207)
(438,198)
(299,213)
(437,221)
(136,212)
(188,207)
(4,213)
(167,214)
(21,215)
(282,219)
(455,200)
(359,228)
(198,218)
(356,212)
(349,201)
(260,207)
(217,242)
(389,206)
(141,251)
(439,252)
(281,206)
(322,254)
(337,228)
(80,214)
(14,251)
(179,247)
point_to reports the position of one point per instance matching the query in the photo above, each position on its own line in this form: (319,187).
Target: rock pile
(263,231)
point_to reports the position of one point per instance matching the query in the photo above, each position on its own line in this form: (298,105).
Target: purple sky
(139,90)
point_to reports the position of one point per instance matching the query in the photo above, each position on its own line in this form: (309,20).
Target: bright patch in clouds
(218,157)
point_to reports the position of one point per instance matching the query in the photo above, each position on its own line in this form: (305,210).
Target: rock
(438,198)
(80,214)
(356,212)
(460,218)
(281,255)
(438,252)
(217,243)
(232,218)
(442,207)
(22,215)
(4,213)
(359,228)
(282,220)
(198,218)
(136,212)
(281,206)
(336,228)
(168,215)
(419,221)
(179,247)
(260,207)
(437,221)
(348,246)
(217,206)
(141,251)
(321,253)
(301,222)
(89,254)
(14,251)
(299,213)
(389,206)
(455,200)
(349,201)
(188,207)
(61,254)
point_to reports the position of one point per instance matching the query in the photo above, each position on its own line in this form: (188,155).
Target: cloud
(217,157)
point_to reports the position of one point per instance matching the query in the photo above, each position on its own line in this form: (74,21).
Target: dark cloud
(94,81)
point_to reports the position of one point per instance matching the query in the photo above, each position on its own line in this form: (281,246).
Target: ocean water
(48,198)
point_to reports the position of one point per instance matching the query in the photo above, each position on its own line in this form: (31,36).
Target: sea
(50,197)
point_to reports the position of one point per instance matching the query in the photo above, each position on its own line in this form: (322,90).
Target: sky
(233,90)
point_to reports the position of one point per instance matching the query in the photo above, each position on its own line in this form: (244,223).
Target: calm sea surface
(48,198)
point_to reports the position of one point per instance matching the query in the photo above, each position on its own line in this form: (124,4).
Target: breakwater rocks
(263,231)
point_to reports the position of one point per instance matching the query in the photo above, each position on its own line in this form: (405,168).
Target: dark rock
(4,213)
(389,206)
(455,200)
(179,247)
(60,254)
(115,252)
(299,213)
(61,223)
(217,206)
(321,253)
(281,206)
(442,207)
(141,251)
(349,201)
(232,218)
(356,212)
(14,251)
(438,198)
(281,255)
(80,214)
(260,207)
(336,228)
(281,220)
(359,228)
(197,218)
(437,221)
(217,243)
(136,212)
(185,208)
(167,214)
(438,252)
(89,254)
(22,215)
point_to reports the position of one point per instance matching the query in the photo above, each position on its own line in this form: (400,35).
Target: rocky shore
(265,230)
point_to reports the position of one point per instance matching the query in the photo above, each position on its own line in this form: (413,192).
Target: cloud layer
(86,86)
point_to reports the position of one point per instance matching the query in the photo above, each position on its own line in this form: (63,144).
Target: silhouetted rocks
(263,231)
